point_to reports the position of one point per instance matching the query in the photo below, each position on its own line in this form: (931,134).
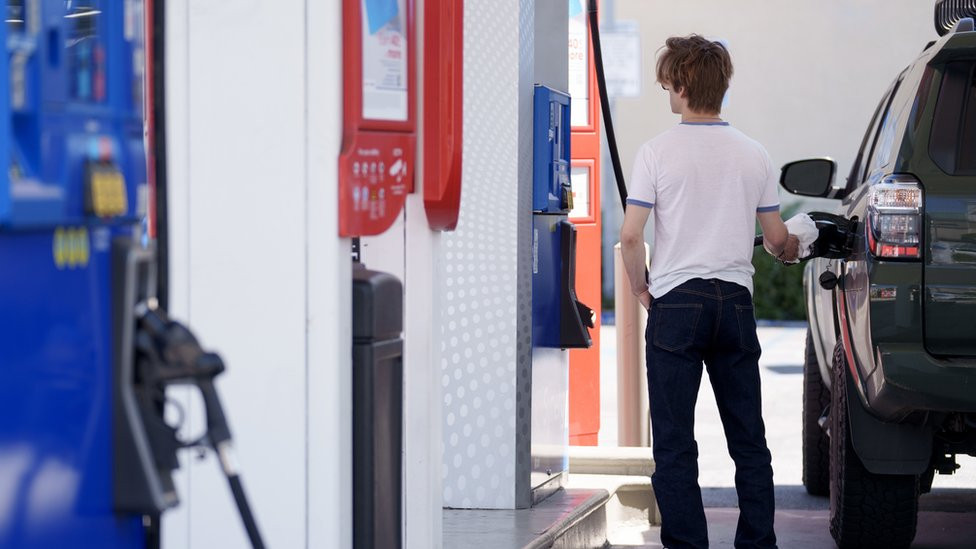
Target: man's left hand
(645,300)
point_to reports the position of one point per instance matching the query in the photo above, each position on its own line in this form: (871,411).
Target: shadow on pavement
(949,500)
(788,497)
(796,498)
(789,369)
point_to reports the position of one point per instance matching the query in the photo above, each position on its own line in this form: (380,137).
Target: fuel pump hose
(605,102)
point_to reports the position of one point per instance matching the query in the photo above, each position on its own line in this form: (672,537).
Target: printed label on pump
(385,76)
(579,65)
(376,172)
(379,118)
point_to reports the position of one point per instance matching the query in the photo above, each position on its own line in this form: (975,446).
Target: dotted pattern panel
(523,484)
(478,272)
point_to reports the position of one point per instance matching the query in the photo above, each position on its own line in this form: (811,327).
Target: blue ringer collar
(704,123)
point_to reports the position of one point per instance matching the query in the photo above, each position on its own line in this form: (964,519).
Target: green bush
(778,292)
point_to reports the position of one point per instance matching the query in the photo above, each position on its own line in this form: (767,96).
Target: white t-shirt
(705,183)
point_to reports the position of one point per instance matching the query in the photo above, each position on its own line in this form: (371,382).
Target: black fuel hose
(246,516)
(601,80)
(161,198)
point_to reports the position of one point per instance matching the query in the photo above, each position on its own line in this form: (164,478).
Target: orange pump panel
(584,364)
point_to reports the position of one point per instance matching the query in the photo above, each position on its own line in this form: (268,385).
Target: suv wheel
(866,510)
(816,445)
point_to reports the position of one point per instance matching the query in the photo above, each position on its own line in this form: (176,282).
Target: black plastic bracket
(574,317)
(144,446)
(887,448)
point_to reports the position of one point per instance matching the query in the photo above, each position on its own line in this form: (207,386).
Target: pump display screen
(385,76)
(15,15)
(84,50)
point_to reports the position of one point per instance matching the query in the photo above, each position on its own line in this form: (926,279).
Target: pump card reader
(552,189)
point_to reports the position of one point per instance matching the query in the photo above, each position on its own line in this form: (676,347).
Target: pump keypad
(105,190)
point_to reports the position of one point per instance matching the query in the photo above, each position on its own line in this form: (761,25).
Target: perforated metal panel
(478,269)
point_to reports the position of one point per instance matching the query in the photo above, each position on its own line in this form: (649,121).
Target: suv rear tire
(816,445)
(866,509)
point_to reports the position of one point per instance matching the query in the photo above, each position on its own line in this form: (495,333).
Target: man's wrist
(646,290)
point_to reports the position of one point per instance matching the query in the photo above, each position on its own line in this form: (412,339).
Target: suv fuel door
(838,235)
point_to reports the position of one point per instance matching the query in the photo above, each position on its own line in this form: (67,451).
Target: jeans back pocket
(746,317)
(675,325)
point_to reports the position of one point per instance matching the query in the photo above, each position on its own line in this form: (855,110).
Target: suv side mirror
(813,177)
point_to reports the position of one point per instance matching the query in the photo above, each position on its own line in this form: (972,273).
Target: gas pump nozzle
(175,357)
(167,353)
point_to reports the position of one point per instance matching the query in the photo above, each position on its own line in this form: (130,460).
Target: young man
(706,183)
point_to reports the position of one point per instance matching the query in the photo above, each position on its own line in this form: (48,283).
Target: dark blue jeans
(710,321)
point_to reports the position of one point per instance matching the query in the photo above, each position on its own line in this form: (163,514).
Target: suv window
(953,142)
(867,143)
(881,150)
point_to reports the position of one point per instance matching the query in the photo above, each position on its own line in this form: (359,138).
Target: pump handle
(173,356)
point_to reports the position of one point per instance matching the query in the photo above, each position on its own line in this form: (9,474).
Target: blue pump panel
(546,270)
(558,318)
(552,191)
(71,114)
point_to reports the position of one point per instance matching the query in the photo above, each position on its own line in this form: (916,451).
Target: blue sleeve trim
(641,203)
(766,209)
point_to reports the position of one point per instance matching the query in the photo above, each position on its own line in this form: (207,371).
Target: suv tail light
(895,217)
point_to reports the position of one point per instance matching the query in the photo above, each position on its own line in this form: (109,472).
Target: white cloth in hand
(805,229)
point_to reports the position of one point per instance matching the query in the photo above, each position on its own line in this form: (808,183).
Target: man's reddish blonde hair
(698,67)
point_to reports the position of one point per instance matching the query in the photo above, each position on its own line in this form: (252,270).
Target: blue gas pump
(86,353)
(558,318)
(74,182)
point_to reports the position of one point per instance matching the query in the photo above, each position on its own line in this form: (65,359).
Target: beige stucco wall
(808,74)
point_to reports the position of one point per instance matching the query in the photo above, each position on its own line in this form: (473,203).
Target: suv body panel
(820,315)
(898,361)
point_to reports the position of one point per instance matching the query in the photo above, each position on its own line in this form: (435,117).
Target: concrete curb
(583,527)
(606,460)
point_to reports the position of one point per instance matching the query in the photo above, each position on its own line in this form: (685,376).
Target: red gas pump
(376,164)
(443,111)
(584,364)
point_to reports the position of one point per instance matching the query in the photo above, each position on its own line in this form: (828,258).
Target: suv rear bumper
(913,380)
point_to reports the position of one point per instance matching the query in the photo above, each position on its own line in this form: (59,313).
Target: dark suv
(890,370)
